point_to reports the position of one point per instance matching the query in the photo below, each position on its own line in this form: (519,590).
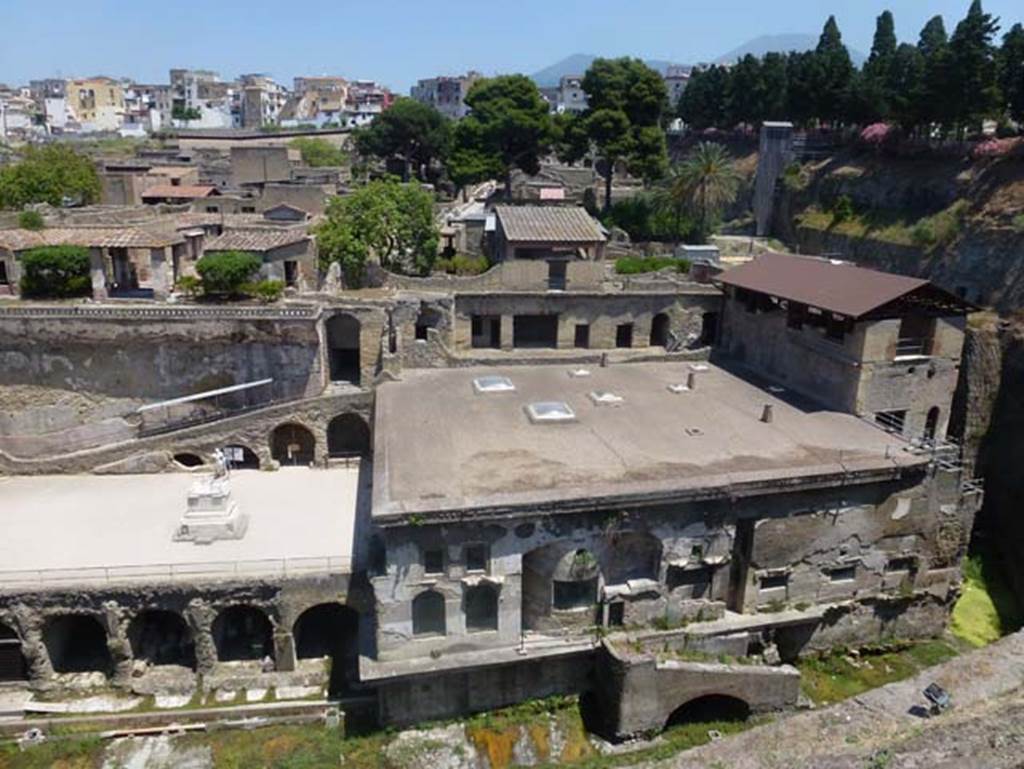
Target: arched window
(931,423)
(428,614)
(292,444)
(77,643)
(481,608)
(161,638)
(188,459)
(242,633)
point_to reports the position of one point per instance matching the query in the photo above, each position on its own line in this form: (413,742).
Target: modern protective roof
(89,237)
(442,448)
(548,224)
(80,528)
(182,192)
(255,240)
(838,287)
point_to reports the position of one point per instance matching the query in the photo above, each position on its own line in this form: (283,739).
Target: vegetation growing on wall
(57,272)
(319,153)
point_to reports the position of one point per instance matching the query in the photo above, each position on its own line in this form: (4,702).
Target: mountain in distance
(763,44)
(577,64)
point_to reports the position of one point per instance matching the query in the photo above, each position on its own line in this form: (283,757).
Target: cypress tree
(1011,72)
(833,74)
(974,89)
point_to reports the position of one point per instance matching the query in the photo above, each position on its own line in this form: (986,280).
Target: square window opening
(774,582)
(843,574)
(476,557)
(433,561)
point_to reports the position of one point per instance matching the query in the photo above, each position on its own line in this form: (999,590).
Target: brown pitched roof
(89,237)
(838,287)
(548,224)
(182,192)
(255,240)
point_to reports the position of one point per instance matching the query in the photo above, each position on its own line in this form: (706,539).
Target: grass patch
(837,676)
(987,609)
(635,265)
(927,232)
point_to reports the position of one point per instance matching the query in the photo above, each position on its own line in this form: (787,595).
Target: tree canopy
(508,126)
(318,153)
(626,101)
(49,174)
(705,183)
(55,272)
(943,84)
(383,220)
(413,132)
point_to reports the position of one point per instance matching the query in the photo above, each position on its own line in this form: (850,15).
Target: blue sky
(398,41)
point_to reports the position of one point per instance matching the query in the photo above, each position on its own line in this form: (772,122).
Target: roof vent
(493,384)
(544,412)
(678,388)
(579,373)
(699,367)
(603,398)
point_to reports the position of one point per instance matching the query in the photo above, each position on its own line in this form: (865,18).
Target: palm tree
(705,182)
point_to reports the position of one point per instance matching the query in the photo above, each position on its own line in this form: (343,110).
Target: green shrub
(55,272)
(634,265)
(923,234)
(31,220)
(842,209)
(267,290)
(460,264)
(1018,222)
(225,272)
(645,217)
(189,285)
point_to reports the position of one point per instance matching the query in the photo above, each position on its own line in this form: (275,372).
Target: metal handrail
(173,572)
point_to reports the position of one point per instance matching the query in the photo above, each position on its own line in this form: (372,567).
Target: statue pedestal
(212,514)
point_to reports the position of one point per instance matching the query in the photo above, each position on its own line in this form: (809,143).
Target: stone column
(159,267)
(200,615)
(507,332)
(98,273)
(284,650)
(37,658)
(117,642)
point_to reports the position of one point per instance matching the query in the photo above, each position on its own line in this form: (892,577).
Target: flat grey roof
(70,528)
(442,448)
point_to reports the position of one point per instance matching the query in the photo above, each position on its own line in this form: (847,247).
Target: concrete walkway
(987,687)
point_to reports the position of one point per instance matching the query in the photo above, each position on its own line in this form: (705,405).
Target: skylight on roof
(578,373)
(544,412)
(493,384)
(678,388)
(605,398)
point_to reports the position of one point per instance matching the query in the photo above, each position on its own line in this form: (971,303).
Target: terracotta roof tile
(548,224)
(255,240)
(89,237)
(182,192)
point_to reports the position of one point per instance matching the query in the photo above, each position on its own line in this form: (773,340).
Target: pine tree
(743,92)
(934,108)
(974,89)
(833,75)
(1011,72)
(874,88)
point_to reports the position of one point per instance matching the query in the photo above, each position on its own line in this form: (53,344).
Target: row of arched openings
(480,604)
(77,643)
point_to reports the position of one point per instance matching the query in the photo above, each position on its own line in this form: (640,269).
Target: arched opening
(242,457)
(632,555)
(559,587)
(243,633)
(931,423)
(77,643)
(292,444)
(428,318)
(707,709)
(428,614)
(481,608)
(348,435)
(161,638)
(659,330)
(12,661)
(188,459)
(330,630)
(343,348)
